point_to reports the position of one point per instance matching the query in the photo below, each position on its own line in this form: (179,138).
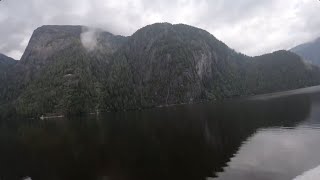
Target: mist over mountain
(76,69)
(58,74)
(309,51)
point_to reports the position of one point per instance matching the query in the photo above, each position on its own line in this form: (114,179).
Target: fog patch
(89,38)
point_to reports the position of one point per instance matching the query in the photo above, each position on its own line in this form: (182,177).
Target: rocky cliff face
(58,71)
(166,64)
(74,69)
(47,41)
(309,51)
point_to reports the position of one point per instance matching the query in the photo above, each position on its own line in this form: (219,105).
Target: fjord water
(274,136)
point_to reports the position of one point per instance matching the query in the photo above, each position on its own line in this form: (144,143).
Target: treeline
(161,64)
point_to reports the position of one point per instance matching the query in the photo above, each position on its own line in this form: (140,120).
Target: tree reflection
(181,142)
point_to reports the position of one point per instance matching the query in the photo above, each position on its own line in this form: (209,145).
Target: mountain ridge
(309,51)
(6,62)
(160,64)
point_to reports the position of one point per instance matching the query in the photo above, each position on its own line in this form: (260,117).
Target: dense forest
(160,64)
(5,64)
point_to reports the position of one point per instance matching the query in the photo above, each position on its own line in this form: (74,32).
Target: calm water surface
(275,136)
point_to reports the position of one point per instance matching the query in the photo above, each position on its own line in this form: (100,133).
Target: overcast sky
(252,27)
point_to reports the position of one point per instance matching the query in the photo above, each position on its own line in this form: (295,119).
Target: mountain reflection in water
(238,139)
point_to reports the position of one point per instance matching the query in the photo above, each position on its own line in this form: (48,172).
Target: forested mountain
(280,71)
(58,74)
(170,64)
(75,69)
(309,51)
(6,64)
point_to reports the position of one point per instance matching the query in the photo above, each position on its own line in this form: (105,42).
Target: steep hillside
(6,65)
(309,51)
(165,64)
(6,62)
(58,74)
(75,69)
(170,64)
(280,71)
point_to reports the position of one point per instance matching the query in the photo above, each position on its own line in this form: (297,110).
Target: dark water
(267,137)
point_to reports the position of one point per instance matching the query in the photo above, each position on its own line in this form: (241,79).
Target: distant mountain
(75,69)
(309,51)
(6,62)
(280,71)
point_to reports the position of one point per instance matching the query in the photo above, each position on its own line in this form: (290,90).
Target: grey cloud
(250,26)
